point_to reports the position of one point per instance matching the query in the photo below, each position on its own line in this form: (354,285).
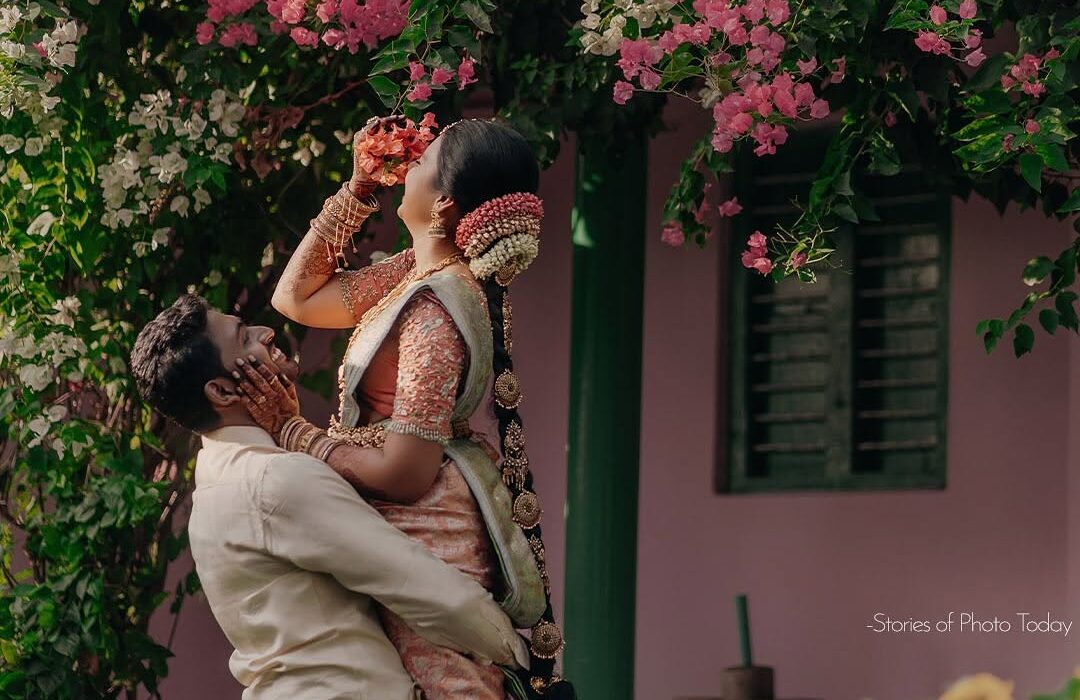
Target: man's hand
(269,395)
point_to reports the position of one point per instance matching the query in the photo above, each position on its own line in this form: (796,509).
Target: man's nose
(265,334)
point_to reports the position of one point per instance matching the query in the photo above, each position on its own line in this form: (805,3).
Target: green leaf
(846,212)
(385,88)
(1053,155)
(1037,270)
(1072,203)
(391,61)
(1031,167)
(842,184)
(477,16)
(1023,339)
(1067,312)
(981,150)
(1048,318)
(993,334)
(988,74)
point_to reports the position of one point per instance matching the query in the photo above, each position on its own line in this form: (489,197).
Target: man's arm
(317,521)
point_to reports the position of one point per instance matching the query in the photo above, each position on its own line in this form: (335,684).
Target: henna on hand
(308,269)
(269,396)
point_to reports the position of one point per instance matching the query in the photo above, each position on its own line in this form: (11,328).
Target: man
(291,558)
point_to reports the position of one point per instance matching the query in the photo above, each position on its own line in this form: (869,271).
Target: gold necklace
(372,313)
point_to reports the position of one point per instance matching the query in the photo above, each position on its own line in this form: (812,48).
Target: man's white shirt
(292,561)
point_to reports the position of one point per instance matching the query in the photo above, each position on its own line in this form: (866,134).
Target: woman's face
(420,195)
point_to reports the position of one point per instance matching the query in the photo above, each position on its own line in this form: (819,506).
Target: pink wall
(816,566)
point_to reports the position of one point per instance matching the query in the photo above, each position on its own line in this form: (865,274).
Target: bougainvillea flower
(386,154)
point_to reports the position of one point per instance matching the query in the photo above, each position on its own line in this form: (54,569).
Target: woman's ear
(445,205)
(221,392)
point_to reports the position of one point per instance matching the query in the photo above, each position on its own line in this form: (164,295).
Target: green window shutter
(839,384)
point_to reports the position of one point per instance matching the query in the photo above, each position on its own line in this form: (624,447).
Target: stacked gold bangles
(342,215)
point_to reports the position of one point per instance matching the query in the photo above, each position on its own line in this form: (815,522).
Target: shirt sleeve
(431,359)
(315,520)
(360,289)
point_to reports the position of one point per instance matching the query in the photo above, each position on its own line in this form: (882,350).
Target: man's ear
(221,392)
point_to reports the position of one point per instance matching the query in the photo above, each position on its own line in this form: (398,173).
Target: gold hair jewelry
(527,510)
(508,311)
(507,390)
(438,228)
(537,546)
(505,274)
(547,640)
(515,436)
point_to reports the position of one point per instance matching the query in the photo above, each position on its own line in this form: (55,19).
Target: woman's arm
(402,470)
(311,293)
(432,356)
(431,360)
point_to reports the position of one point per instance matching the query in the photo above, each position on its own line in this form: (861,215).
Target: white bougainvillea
(166,156)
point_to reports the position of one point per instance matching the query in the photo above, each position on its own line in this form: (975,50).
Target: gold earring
(437,229)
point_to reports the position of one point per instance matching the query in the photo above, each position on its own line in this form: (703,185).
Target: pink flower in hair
(513,204)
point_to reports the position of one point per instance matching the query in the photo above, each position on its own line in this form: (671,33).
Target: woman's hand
(361,183)
(269,396)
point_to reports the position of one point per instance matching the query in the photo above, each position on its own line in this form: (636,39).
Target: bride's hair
(480,161)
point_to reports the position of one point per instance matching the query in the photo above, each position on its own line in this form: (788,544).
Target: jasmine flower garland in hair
(502,232)
(515,252)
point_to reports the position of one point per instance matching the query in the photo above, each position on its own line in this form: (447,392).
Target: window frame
(841,454)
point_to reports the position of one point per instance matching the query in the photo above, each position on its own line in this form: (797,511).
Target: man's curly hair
(172,361)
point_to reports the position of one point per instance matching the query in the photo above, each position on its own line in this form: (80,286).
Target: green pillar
(605,416)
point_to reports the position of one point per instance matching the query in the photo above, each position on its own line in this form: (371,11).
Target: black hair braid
(540,681)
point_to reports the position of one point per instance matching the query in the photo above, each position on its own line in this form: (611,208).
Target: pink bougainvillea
(756,255)
(672,235)
(340,24)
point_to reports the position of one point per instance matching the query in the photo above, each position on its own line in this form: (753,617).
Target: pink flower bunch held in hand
(336,24)
(385,155)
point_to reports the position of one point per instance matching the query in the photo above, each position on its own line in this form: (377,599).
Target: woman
(432,325)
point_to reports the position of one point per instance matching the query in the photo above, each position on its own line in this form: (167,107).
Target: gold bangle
(304,441)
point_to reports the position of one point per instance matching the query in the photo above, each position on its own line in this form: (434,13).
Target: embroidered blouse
(416,380)
(360,289)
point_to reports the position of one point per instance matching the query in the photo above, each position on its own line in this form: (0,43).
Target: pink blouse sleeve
(431,359)
(360,289)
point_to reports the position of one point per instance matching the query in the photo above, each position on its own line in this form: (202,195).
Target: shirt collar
(240,434)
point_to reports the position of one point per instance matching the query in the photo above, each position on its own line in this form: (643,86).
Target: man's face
(235,339)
